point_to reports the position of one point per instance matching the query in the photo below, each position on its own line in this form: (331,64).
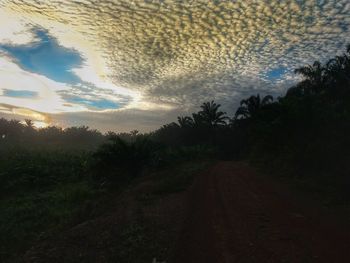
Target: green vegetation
(50,177)
(40,192)
(119,158)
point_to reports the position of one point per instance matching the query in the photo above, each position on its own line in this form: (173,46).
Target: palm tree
(251,106)
(337,70)
(185,122)
(134,133)
(198,120)
(29,123)
(314,76)
(211,115)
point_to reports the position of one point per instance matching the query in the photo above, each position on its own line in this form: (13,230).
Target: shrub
(118,159)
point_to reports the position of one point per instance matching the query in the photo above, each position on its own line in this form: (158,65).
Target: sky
(121,65)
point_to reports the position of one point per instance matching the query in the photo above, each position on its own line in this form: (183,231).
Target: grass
(25,218)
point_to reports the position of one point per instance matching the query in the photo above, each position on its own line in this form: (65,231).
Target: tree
(251,106)
(119,158)
(337,71)
(211,115)
(29,123)
(314,77)
(134,133)
(185,122)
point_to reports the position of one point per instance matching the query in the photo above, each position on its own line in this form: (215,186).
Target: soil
(236,215)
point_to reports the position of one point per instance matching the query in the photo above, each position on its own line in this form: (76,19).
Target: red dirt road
(234,215)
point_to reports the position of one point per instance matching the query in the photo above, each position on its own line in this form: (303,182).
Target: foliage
(211,116)
(121,159)
(14,134)
(36,170)
(252,106)
(40,192)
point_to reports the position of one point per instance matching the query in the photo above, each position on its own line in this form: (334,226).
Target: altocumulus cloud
(149,59)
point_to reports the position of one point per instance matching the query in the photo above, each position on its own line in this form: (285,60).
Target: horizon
(62,64)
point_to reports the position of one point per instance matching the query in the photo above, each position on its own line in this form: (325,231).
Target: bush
(119,159)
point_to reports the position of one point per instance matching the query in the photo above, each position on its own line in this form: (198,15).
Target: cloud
(17,80)
(20,112)
(46,57)
(169,55)
(119,121)
(13,29)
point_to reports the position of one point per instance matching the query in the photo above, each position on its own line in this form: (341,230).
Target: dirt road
(237,216)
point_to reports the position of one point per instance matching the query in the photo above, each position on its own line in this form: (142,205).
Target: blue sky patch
(25,94)
(46,57)
(276,73)
(99,104)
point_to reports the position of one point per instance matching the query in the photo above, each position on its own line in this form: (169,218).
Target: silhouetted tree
(119,158)
(314,77)
(185,122)
(134,133)
(211,115)
(251,106)
(337,72)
